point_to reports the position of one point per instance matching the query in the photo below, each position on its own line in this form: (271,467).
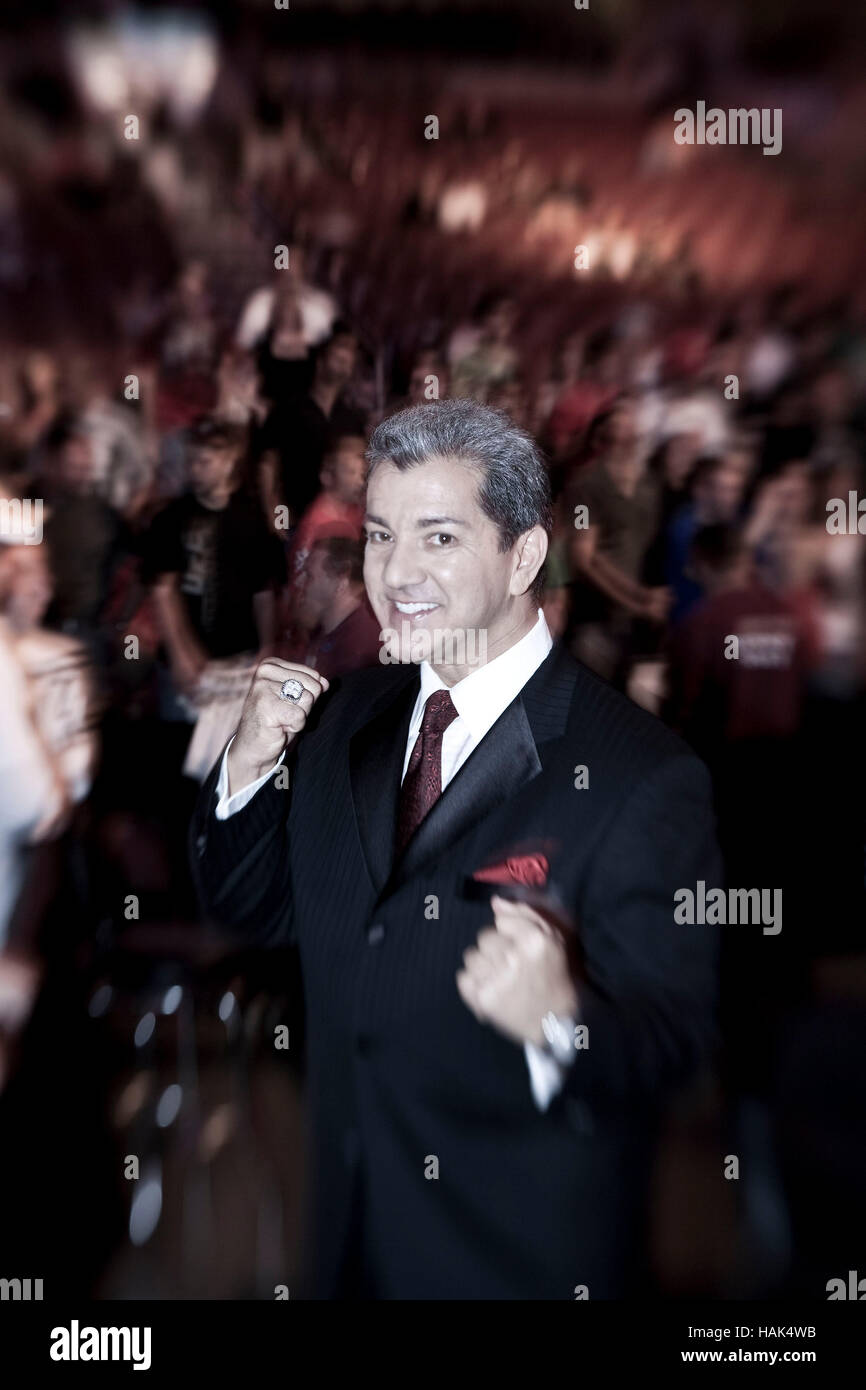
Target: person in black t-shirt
(213,562)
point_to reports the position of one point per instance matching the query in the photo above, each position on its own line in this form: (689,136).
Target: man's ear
(531,551)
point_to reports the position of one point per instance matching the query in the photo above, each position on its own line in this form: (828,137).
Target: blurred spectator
(428,381)
(296,432)
(33,798)
(768,355)
(622,502)
(260,319)
(588,389)
(836,443)
(337,510)
(740,659)
(333,607)
(492,359)
(239,396)
(122,468)
(717,489)
(213,561)
(185,339)
(83,532)
(282,321)
(41,400)
(699,409)
(58,670)
(672,463)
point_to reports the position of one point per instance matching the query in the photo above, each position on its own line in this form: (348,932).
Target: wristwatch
(559,1030)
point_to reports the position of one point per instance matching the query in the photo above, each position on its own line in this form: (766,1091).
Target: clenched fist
(517,971)
(269,724)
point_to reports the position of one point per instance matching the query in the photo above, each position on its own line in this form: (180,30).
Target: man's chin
(409,641)
(406,640)
(402,645)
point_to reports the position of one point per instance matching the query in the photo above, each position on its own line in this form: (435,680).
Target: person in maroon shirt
(743,714)
(722,691)
(337,510)
(333,607)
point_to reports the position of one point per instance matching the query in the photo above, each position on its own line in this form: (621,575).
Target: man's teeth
(415,607)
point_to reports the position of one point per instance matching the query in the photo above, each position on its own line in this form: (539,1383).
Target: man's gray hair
(515,489)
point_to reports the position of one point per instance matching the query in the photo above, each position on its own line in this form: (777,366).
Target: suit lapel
(376,754)
(508,757)
(505,760)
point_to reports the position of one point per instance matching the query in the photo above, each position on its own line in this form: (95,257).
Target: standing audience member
(294,437)
(620,504)
(212,561)
(337,510)
(333,607)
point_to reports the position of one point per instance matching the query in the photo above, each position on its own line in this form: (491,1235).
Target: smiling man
(477,859)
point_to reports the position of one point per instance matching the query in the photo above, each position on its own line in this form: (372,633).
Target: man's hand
(657,604)
(517,972)
(269,724)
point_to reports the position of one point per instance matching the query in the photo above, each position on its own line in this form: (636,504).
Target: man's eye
(442,538)
(377,536)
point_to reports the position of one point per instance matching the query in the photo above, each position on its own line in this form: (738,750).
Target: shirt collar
(481,697)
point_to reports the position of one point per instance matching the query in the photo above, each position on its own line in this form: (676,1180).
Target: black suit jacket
(527,1204)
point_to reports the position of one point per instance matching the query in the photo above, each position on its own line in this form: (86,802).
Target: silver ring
(291,690)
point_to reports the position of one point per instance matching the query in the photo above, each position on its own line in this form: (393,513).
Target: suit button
(200,844)
(376,934)
(362,1044)
(351,1146)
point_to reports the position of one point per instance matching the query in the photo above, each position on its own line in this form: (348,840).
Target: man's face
(347,471)
(28,586)
(500,321)
(726,491)
(419,384)
(317,590)
(210,470)
(340,359)
(680,457)
(623,424)
(433,562)
(76,463)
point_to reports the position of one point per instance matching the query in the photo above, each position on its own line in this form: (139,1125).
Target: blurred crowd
(200,333)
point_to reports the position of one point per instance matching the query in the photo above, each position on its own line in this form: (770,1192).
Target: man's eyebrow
(422,522)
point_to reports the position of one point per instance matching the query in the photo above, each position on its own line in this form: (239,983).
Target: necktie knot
(439,712)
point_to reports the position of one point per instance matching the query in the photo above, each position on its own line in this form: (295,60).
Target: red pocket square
(530,869)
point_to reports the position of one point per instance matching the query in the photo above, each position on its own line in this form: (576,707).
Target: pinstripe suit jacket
(527,1204)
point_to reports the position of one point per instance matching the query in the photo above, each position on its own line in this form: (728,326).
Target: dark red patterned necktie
(422,785)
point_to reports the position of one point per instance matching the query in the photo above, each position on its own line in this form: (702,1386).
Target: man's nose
(403,568)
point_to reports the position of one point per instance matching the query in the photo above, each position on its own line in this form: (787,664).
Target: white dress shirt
(480,698)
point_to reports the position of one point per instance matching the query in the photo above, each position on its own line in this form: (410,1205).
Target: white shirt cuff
(546,1076)
(229,805)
